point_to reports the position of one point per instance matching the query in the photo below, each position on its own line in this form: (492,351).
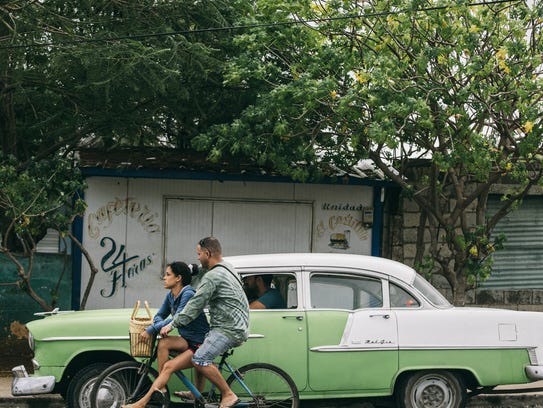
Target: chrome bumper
(23,384)
(534,372)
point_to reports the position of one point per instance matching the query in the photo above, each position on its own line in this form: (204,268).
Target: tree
(454,84)
(99,73)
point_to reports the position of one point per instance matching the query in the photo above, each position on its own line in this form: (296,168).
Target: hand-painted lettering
(120,266)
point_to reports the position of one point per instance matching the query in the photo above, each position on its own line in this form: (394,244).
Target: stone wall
(402,220)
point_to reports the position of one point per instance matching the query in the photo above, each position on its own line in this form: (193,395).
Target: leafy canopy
(455,85)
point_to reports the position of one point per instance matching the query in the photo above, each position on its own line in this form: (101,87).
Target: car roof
(365,262)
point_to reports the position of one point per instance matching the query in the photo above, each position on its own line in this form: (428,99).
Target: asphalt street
(506,400)
(517,401)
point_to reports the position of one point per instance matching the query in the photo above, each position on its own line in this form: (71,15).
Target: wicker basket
(138,346)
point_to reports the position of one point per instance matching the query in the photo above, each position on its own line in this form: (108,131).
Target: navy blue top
(195,331)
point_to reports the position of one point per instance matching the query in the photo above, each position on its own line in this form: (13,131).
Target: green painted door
(353,341)
(278,337)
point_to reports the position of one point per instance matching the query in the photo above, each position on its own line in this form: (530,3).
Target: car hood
(102,322)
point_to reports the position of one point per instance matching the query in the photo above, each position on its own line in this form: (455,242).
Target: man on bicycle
(221,290)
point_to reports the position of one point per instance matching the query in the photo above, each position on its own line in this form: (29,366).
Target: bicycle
(257,385)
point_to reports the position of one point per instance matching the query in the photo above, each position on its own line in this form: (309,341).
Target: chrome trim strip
(75,338)
(468,347)
(335,349)
(344,348)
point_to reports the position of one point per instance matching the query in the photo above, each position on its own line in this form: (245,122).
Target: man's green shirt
(223,293)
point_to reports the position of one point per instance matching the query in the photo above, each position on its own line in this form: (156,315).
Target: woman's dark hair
(186,271)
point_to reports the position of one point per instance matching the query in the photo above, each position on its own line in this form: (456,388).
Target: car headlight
(31,342)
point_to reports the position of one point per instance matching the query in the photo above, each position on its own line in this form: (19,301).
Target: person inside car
(261,294)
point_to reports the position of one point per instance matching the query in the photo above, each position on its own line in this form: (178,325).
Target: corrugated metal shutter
(49,243)
(244,227)
(520,264)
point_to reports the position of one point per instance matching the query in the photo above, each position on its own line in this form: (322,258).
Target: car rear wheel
(432,389)
(79,389)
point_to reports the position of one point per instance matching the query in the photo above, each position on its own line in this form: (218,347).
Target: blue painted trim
(77,258)
(193,175)
(377,229)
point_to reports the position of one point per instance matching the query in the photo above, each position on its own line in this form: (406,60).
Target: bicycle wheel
(269,386)
(124,383)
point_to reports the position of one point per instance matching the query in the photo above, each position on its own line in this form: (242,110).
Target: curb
(33,402)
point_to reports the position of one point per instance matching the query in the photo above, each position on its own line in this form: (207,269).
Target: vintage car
(354,326)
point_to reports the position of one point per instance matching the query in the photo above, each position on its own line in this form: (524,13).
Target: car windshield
(430,293)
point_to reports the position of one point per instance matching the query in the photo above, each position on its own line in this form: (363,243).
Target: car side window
(284,285)
(345,292)
(401,298)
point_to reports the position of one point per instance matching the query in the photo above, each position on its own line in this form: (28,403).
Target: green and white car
(354,326)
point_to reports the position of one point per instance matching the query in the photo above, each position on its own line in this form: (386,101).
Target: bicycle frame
(200,400)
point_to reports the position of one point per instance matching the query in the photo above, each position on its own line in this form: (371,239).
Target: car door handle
(294,317)
(384,316)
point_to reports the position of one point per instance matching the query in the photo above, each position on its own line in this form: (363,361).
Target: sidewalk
(528,399)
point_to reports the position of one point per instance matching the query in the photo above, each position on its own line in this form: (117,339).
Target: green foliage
(36,198)
(455,84)
(110,77)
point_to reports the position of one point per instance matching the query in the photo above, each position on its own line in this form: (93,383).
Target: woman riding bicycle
(177,279)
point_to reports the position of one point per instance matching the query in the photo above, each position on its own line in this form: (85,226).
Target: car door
(279,336)
(353,341)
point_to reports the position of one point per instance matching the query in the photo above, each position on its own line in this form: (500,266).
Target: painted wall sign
(340,227)
(119,266)
(130,207)
(117,263)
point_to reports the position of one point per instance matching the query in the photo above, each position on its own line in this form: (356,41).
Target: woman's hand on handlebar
(165,330)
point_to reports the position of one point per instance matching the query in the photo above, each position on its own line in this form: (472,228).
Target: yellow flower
(392,22)
(473,251)
(442,59)
(26,221)
(528,126)
(501,54)
(508,166)
(504,67)
(333,94)
(361,77)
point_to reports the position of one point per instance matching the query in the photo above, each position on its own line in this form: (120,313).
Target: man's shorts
(213,346)
(193,346)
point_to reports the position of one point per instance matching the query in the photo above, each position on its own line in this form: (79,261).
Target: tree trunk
(459,291)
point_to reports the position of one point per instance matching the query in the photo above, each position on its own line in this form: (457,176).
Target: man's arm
(256,304)
(195,305)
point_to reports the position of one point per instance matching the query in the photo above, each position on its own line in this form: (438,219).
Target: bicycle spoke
(123,383)
(269,387)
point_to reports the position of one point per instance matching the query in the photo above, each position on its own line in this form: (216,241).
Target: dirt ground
(14,352)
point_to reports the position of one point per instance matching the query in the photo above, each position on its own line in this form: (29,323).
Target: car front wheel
(78,393)
(432,389)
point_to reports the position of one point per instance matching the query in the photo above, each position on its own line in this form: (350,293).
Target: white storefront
(133,227)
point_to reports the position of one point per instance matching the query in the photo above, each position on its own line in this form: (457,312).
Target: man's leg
(212,373)
(213,346)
